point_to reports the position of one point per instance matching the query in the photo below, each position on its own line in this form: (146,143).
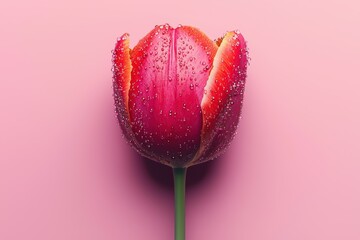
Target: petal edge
(222,101)
(122,68)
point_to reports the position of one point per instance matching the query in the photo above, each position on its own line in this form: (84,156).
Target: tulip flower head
(178,94)
(178,98)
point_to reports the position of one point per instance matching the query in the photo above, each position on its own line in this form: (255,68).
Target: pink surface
(292,172)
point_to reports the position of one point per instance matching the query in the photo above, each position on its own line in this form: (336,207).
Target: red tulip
(178,95)
(178,98)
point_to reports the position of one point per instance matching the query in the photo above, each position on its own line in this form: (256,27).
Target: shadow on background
(162,175)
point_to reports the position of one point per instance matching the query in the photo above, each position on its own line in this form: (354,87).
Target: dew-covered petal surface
(170,69)
(121,83)
(195,55)
(223,96)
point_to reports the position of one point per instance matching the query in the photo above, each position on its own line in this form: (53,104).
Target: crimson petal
(170,69)
(121,84)
(223,96)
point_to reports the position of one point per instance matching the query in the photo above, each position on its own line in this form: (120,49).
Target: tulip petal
(222,101)
(121,84)
(170,69)
(122,68)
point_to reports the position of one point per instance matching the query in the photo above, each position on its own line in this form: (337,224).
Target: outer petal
(121,85)
(223,97)
(170,69)
(122,68)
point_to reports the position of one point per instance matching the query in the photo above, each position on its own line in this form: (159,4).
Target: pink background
(292,172)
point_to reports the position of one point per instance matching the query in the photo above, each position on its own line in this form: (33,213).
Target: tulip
(178,98)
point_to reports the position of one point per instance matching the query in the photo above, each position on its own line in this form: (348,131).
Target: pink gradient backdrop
(292,172)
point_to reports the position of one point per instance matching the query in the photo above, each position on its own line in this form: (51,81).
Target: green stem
(179,189)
